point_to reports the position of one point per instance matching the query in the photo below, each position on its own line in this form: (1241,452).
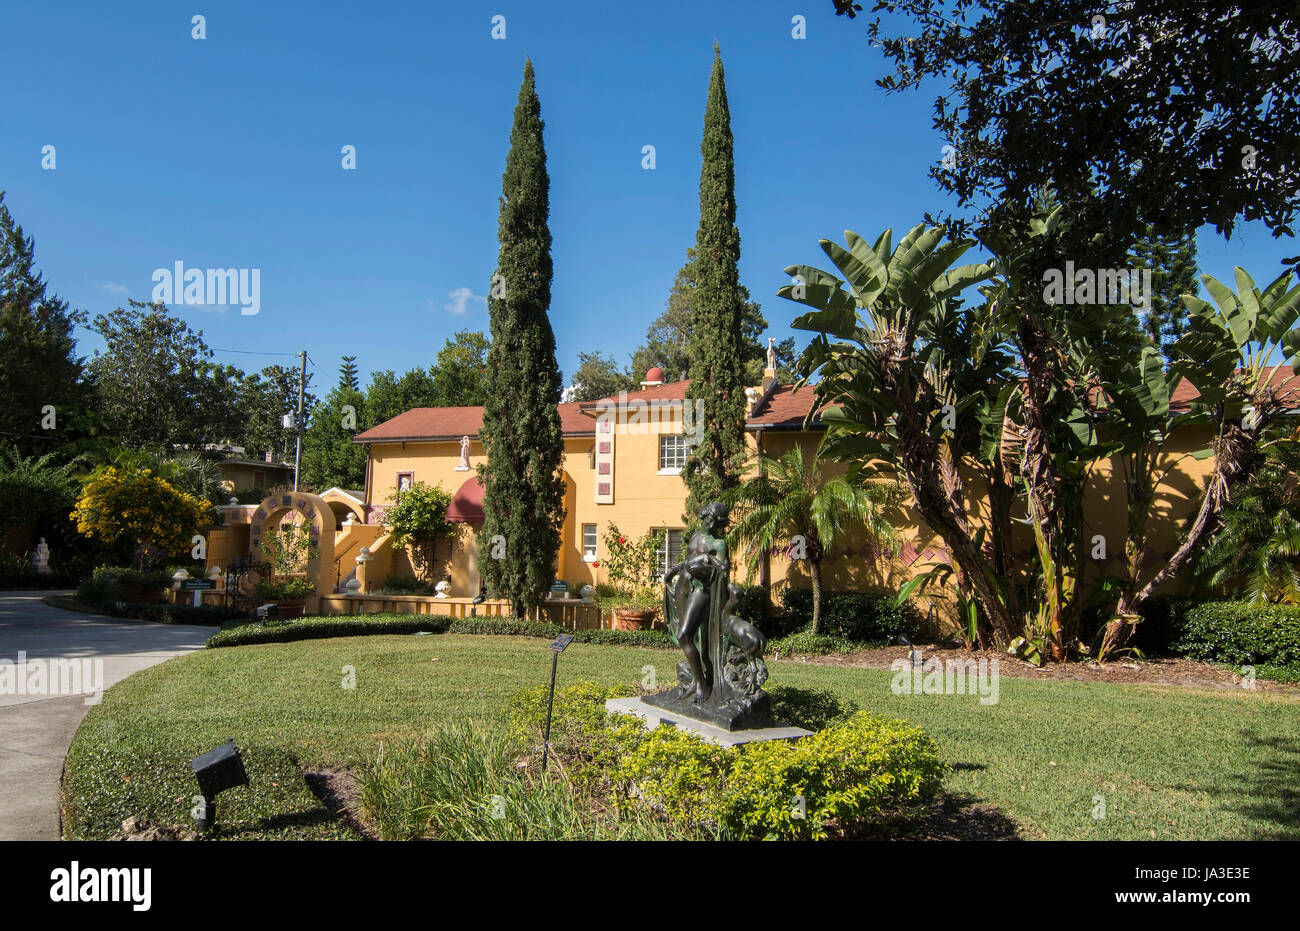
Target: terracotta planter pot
(632,619)
(291,609)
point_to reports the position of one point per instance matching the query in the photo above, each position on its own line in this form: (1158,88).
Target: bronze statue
(721,678)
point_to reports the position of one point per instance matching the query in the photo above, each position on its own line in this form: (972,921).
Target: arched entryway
(320,522)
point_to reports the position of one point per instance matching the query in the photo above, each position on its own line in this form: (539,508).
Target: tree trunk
(815,566)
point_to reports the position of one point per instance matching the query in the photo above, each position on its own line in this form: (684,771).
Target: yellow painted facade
(644,496)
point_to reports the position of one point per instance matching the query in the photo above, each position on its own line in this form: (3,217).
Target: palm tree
(1256,548)
(789,504)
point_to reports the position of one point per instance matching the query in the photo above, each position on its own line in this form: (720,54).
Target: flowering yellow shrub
(138,507)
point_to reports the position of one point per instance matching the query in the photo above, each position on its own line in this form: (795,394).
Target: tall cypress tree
(717,345)
(523,502)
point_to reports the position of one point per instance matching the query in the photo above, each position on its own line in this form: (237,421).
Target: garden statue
(41,558)
(721,679)
(464,455)
(442,589)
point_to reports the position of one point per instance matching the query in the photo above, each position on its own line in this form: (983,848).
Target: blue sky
(226,152)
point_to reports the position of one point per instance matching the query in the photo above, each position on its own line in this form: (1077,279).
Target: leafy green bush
(110,583)
(404,585)
(862,616)
(856,768)
(835,780)
(290,589)
(811,709)
(354,625)
(1242,633)
(805,641)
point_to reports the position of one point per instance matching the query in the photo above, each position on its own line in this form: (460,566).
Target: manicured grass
(1170,763)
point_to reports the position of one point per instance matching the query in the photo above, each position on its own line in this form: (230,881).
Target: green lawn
(1171,763)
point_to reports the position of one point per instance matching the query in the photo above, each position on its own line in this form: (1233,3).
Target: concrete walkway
(36,730)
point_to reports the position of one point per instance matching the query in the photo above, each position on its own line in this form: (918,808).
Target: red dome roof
(655,374)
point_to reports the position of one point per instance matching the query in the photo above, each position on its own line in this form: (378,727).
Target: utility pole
(297,424)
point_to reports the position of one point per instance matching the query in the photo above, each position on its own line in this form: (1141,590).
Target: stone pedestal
(654,716)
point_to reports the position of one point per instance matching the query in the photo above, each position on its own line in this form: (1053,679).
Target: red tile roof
(451,423)
(785,409)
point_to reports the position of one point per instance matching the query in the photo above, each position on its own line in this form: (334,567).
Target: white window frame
(671,469)
(589,555)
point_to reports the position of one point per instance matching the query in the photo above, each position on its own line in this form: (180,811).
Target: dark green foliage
(1255,551)
(404,585)
(668,336)
(1243,634)
(157,384)
(811,709)
(1174,272)
(523,503)
(859,616)
(111,584)
(460,371)
(313,628)
(1153,110)
(329,457)
(716,342)
(38,361)
(598,376)
(264,400)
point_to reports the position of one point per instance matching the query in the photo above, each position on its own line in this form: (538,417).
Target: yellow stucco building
(622,464)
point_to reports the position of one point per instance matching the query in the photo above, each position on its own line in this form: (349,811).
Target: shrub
(861,616)
(291,589)
(351,625)
(837,779)
(109,583)
(805,641)
(811,709)
(167,613)
(405,585)
(849,773)
(1242,634)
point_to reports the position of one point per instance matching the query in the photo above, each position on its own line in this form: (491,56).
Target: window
(672,454)
(588,542)
(670,555)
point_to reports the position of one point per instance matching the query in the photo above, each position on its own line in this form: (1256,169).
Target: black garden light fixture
(216,771)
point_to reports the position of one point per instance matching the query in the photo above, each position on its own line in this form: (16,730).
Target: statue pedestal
(654,716)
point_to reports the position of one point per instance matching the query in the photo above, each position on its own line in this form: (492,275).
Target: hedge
(355,625)
(1242,633)
(859,616)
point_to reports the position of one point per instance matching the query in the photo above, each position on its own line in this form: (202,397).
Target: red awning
(467,504)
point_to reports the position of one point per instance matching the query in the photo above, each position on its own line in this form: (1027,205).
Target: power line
(255,352)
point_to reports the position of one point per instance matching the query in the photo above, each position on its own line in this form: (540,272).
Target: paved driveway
(36,730)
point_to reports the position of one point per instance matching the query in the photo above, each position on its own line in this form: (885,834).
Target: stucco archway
(320,521)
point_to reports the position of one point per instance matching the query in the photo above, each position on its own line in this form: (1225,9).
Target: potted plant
(633,569)
(289,594)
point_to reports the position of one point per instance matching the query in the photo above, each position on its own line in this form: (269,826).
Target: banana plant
(892,361)
(1239,352)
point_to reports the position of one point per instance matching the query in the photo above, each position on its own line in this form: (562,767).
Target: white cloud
(115,288)
(461,299)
